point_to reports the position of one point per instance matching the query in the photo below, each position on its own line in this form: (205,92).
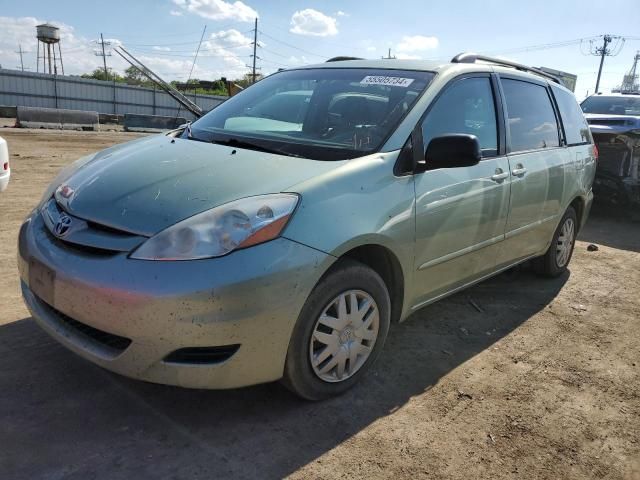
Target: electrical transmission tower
(104,54)
(616,43)
(630,82)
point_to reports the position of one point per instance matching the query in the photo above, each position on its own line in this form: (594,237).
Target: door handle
(519,171)
(499,176)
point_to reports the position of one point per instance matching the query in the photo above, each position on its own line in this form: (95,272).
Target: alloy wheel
(565,242)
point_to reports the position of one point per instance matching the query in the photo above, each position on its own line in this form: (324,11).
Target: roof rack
(474,57)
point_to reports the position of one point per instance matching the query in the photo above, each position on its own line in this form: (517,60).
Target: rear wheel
(340,332)
(556,260)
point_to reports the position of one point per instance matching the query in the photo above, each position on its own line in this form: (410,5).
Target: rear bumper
(250,298)
(4,179)
(587,208)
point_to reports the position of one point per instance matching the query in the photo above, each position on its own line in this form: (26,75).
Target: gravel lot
(544,382)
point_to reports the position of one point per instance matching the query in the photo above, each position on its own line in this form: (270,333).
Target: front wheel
(555,261)
(339,333)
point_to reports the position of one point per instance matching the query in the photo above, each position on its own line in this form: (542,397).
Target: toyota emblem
(63,225)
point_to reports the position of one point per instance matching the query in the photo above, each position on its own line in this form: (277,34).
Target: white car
(5,170)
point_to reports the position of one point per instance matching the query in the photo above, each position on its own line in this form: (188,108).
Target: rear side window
(575,125)
(467,106)
(530,116)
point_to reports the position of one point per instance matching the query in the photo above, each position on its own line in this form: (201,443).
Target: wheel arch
(386,264)
(579,205)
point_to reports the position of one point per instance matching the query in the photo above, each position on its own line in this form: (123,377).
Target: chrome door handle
(498,177)
(519,172)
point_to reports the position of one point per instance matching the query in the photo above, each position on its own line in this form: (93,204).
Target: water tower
(49,36)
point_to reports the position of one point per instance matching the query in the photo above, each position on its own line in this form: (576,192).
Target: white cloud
(417,43)
(162,49)
(314,23)
(78,53)
(406,56)
(219,9)
(301,60)
(230,38)
(340,13)
(175,13)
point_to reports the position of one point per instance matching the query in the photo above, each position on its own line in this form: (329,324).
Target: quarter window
(575,126)
(532,122)
(467,106)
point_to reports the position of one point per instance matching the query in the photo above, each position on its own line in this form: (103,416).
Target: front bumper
(250,298)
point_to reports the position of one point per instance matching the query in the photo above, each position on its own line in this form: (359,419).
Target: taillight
(595,151)
(6,166)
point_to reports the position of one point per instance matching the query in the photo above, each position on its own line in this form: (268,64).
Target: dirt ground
(544,382)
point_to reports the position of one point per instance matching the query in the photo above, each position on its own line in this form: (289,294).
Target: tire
(308,357)
(556,260)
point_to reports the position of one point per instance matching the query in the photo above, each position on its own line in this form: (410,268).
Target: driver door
(461,212)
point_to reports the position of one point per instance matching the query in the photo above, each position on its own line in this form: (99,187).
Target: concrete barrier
(35,117)
(134,122)
(7,111)
(110,118)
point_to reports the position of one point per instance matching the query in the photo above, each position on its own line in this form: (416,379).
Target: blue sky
(165,33)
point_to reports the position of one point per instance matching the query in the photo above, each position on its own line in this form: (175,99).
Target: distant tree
(98,74)
(133,76)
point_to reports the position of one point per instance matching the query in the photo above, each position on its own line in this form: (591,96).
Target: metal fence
(58,91)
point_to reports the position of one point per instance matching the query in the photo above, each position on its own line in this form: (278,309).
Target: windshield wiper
(234,142)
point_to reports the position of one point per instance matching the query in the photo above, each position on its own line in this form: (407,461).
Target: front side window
(576,129)
(530,117)
(467,107)
(325,113)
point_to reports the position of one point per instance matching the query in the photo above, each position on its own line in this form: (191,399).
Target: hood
(616,124)
(146,186)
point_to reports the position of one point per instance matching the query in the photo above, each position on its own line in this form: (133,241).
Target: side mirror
(451,151)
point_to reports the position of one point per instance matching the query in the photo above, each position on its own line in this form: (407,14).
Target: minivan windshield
(613,105)
(323,113)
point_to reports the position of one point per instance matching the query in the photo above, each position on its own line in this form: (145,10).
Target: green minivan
(279,236)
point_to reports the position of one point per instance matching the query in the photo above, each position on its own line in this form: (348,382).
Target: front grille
(110,343)
(611,121)
(85,235)
(77,248)
(202,355)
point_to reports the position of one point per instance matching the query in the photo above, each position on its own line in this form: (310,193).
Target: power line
(293,46)
(215,48)
(603,51)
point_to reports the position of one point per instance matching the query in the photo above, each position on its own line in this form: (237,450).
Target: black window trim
(415,141)
(564,132)
(540,83)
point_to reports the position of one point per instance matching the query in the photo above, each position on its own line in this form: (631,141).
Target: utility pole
(20,52)
(611,46)
(255,45)
(389,57)
(104,55)
(603,52)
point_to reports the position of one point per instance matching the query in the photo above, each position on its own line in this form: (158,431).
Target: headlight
(222,229)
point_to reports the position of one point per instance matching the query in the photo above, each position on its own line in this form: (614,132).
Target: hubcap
(565,242)
(344,335)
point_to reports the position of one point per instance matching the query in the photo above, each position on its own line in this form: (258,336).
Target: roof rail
(474,57)
(342,59)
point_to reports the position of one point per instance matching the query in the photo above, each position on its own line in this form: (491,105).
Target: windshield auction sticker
(389,81)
